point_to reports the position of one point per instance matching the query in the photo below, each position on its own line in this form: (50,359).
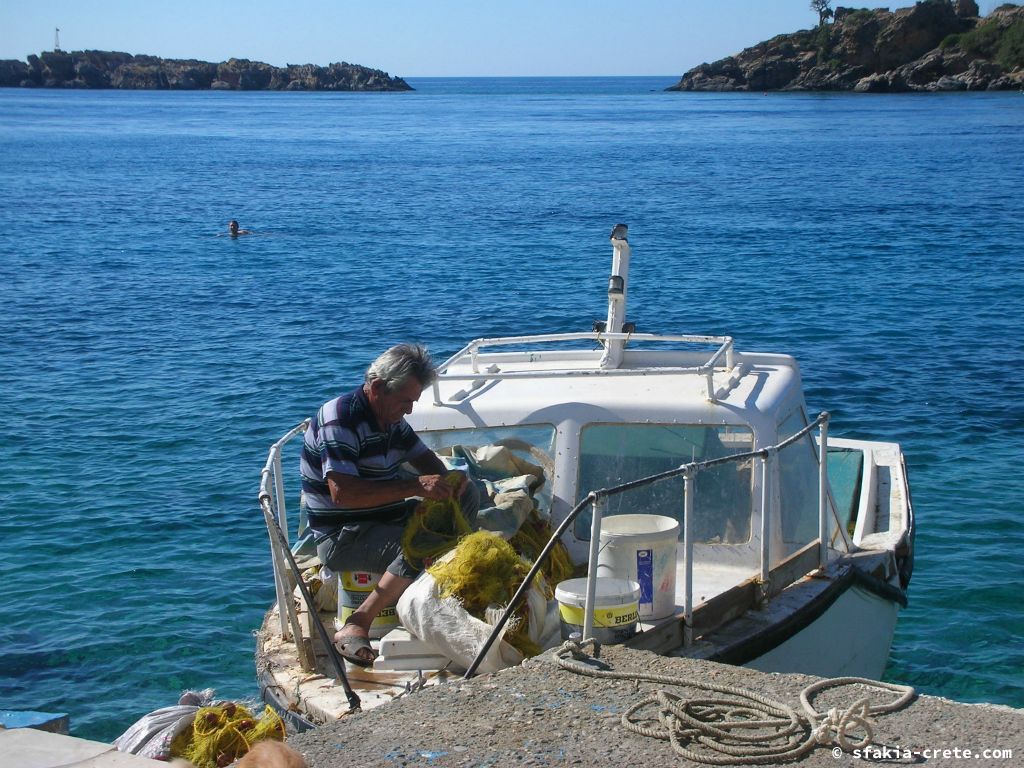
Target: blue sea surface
(146,364)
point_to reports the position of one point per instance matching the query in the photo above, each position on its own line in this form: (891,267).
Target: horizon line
(499,77)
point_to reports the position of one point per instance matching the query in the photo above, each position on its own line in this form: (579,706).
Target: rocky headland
(936,45)
(112,69)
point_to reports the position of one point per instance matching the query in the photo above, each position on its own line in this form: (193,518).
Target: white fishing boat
(794,548)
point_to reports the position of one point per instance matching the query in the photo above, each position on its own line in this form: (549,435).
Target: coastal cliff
(112,69)
(936,45)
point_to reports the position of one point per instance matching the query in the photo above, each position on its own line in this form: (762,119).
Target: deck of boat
(316,694)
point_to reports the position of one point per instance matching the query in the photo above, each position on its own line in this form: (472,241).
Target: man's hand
(434,487)
(443,487)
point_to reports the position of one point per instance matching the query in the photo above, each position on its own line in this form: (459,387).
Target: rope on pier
(745,728)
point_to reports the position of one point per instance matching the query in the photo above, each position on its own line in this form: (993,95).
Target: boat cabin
(597,410)
(594,428)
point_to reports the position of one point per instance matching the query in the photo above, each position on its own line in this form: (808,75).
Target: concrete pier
(540,714)
(33,748)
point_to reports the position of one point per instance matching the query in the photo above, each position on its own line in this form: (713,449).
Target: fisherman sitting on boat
(358,500)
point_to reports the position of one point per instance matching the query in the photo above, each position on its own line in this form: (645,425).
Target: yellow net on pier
(221,734)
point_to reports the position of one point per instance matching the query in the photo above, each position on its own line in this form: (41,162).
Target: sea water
(147,364)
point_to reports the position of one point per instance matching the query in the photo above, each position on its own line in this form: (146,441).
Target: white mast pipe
(617,289)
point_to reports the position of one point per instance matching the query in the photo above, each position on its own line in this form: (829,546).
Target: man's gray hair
(400,364)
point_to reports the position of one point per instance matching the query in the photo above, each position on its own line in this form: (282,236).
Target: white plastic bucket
(642,548)
(356,586)
(615,608)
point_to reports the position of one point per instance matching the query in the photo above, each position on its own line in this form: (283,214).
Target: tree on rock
(823,9)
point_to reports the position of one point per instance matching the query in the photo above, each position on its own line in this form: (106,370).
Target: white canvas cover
(451,631)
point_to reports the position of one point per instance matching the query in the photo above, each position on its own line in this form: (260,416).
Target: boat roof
(653,385)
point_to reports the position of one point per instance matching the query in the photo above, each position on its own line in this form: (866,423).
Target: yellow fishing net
(486,571)
(435,527)
(533,534)
(221,734)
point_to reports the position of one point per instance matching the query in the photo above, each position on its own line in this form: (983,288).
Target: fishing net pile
(208,734)
(456,604)
(438,525)
(471,577)
(484,573)
(530,539)
(435,527)
(222,733)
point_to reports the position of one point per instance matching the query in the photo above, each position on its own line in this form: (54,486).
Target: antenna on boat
(617,296)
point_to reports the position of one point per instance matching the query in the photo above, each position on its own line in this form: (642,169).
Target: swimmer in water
(234,231)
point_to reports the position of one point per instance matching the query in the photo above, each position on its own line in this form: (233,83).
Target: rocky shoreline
(113,69)
(936,45)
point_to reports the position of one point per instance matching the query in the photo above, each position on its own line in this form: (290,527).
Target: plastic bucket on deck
(642,548)
(355,587)
(615,608)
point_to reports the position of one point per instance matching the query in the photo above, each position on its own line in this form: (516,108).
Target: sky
(417,38)
(413,38)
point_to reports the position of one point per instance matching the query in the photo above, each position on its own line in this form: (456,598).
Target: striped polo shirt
(344,437)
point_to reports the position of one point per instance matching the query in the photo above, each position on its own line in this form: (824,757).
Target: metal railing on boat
(478,377)
(272,503)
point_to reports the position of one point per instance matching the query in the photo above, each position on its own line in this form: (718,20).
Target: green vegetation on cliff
(1004,45)
(934,45)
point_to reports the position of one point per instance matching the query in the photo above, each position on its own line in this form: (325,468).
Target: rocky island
(936,45)
(111,69)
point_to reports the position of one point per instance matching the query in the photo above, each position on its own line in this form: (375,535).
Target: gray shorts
(377,547)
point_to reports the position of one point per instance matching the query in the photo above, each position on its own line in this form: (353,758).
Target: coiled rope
(746,728)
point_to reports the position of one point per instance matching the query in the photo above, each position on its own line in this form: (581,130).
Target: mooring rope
(747,728)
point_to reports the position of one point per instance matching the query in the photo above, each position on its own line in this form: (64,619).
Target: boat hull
(850,639)
(838,622)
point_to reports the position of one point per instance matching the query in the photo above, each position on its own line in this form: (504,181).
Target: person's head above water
(234,230)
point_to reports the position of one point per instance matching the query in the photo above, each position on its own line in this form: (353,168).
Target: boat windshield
(611,454)
(798,488)
(498,455)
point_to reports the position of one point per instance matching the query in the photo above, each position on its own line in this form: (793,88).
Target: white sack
(151,735)
(442,623)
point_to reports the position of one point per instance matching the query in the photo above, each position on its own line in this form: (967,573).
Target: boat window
(798,486)
(611,454)
(497,455)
